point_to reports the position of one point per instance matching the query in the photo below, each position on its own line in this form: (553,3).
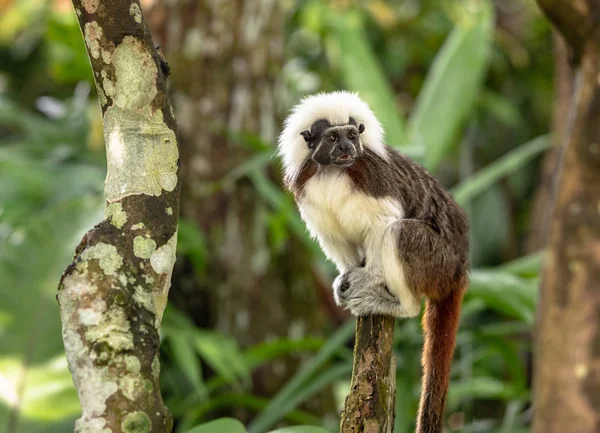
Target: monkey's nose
(345,148)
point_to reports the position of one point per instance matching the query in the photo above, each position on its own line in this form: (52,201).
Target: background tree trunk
(226,60)
(114,293)
(546,190)
(567,383)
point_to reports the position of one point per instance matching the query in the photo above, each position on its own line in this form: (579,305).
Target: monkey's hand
(365,294)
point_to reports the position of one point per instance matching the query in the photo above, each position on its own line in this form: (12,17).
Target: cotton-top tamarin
(393,232)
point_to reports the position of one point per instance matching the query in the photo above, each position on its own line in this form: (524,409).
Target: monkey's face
(337,145)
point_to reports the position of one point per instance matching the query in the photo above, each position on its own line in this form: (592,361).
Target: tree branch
(370,405)
(113,294)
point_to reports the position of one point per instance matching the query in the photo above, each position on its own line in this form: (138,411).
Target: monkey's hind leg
(418,261)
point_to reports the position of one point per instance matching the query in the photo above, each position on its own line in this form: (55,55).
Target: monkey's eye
(352,135)
(332,137)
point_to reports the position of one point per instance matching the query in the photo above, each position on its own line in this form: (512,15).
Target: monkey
(393,232)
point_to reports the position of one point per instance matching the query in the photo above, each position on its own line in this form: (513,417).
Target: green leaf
(280,404)
(237,401)
(526,266)
(222,354)
(267,351)
(449,91)
(186,359)
(301,429)
(363,73)
(480,387)
(49,395)
(191,243)
(514,160)
(223,425)
(46,209)
(506,293)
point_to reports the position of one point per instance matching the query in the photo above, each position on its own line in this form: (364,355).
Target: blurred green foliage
(464,87)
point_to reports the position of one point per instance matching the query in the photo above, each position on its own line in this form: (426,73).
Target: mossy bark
(370,405)
(113,294)
(567,373)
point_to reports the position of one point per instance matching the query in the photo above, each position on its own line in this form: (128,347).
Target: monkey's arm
(344,254)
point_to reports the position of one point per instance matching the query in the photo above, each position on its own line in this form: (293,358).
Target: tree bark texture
(567,382)
(226,58)
(546,190)
(113,294)
(370,405)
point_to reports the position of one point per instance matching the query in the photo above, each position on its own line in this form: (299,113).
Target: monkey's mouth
(344,160)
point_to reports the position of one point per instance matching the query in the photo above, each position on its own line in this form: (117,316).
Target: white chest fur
(333,209)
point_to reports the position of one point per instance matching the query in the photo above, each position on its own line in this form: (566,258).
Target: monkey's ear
(306,135)
(361,128)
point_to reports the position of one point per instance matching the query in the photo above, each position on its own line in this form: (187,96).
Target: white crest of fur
(335,107)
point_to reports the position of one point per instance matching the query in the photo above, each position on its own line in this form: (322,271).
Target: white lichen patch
(108,257)
(114,331)
(138,226)
(93,34)
(162,262)
(135,12)
(90,6)
(101,96)
(106,56)
(136,422)
(130,380)
(75,286)
(108,85)
(85,425)
(143,247)
(93,315)
(141,149)
(155,369)
(135,75)
(163,259)
(115,215)
(143,298)
(132,364)
(93,382)
(169,211)
(168,181)
(141,154)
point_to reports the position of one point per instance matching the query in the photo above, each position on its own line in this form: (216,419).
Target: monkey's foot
(364,294)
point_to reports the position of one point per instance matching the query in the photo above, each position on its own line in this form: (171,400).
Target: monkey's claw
(344,286)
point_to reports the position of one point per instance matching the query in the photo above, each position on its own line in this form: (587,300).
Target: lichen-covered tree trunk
(370,405)
(113,294)
(567,381)
(226,58)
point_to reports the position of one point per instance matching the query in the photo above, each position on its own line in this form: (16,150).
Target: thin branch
(370,405)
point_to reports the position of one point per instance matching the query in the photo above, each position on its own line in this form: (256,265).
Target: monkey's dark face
(337,145)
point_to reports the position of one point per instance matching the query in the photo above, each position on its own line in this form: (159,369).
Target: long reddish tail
(440,324)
